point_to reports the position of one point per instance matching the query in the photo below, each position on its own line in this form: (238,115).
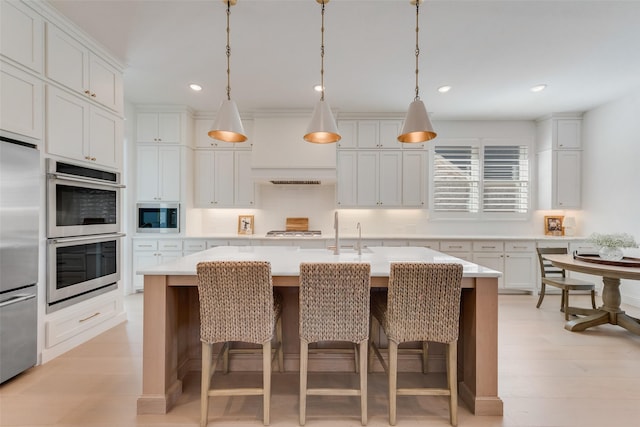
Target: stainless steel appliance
(81,200)
(81,267)
(158,217)
(19,235)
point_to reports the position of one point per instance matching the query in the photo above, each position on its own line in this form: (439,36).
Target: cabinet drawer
(391,242)
(455,246)
(488,246)
(79,320)
(145,245)
(170,245)
(214,243)
(519,247)
(431,244)
(194,246)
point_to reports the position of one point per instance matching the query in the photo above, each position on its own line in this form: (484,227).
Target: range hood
(281,156)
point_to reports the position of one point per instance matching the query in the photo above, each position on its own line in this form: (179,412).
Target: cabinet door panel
(367,178)
(568,177)
(147,127)
(169,173)
(494,261)
(21,102)
(244,186)
(105,138)
(204,178)
(147,162)
(390,179)
(223,180)
(520,270)
(67,60)
(348,130)
(368,136)
(568,134)
(105,84)
(67,124)
(169,129)
(347,171)
(21,35)
(414,178)
(389,131)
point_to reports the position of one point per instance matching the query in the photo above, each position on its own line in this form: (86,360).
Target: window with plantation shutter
(480,178)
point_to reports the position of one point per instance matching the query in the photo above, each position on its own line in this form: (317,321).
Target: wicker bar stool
(237,303)
(422,304)
(334,306)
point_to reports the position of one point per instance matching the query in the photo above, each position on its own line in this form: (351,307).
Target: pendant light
(228,126)
(322,129)
(417,126)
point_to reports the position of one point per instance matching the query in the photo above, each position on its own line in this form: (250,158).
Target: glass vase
(610,253)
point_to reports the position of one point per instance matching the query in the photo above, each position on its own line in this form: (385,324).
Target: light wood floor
(548,377)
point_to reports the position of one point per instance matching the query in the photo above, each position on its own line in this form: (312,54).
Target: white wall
(611,174)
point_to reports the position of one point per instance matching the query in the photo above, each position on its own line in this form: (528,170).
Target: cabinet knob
(93,159)
(87,158)
(93,95)
(87,92)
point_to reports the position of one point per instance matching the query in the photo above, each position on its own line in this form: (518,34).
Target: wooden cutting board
(297,224)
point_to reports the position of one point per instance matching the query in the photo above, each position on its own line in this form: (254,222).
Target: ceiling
(490,52)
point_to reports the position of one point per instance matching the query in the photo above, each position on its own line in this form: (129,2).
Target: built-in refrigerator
(20,181)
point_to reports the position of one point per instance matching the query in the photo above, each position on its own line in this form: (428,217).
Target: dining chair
(422,304)
(555,276)
(334,306)
(237,303)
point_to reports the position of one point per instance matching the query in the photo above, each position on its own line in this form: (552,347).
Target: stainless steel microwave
(158,217)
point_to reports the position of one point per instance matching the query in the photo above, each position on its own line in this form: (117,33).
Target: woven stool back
(423,302)
(334,301)
(236,301)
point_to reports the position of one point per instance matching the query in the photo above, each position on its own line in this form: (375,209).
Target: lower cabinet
(516,260)
(148,252)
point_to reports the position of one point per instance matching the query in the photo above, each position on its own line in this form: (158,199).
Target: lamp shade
(228,126)
(417,126)
(322,129)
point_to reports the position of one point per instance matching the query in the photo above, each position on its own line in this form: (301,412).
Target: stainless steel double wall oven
(83,232)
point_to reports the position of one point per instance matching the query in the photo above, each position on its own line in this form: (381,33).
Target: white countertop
(367,237)
(285,260)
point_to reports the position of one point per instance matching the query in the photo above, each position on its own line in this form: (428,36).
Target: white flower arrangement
(616,240)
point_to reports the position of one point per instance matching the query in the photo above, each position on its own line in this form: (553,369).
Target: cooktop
(283,233)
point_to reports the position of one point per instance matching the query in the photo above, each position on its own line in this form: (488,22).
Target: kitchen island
(171,336)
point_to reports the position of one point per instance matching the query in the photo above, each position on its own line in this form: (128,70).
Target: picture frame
(553,225)
(245,224)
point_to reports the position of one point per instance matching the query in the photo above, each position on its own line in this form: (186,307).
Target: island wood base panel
(171,344)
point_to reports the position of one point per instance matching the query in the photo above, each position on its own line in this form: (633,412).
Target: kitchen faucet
(359,238)
(336,249)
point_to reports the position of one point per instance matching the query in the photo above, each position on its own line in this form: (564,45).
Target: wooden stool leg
(452,376)
(206,382)
(304,358)
(393,380)
(542,289)
(225,358)
(374,333)
(280,345)
(266,381)
(356,358)
(363,380)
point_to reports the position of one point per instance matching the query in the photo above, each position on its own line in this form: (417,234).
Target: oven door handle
(86,238)
(72,178)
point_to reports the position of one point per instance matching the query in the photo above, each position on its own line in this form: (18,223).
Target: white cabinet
(80,131)
(414,178)
(456,248)
(223,179)
(159,127)
(379,178)
(159,173)
(73,65)
(430,244)
(347,172)
(559,163)
(21,35)
(149,252)
(369,133)
(21,102)
(515,259)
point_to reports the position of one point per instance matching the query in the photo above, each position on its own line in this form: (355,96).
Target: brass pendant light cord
(228,53)
(417,98)
(322,56)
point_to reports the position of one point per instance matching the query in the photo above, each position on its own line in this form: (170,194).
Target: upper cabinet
(21,34)
(163,127)
(78,130)
(74,66)
(374,134)
(21,101)
(559,146)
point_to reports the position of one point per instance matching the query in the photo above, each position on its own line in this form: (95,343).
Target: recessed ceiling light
(538,88)
(195,87)
(317,88)
(444,89)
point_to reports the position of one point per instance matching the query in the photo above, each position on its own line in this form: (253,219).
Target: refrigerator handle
(16,299)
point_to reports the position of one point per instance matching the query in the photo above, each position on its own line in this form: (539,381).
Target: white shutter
(505,178)
(456,179)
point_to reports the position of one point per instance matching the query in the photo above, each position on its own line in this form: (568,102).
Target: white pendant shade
(417,126)
(322,129)
(228,126)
